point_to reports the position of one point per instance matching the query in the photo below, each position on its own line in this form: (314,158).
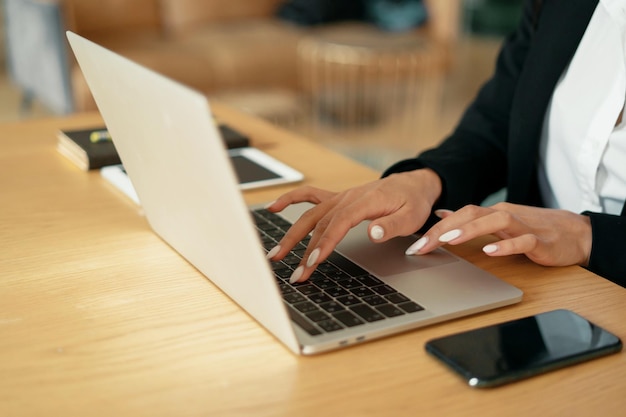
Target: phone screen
(255,168)
(517,349)
(250,171)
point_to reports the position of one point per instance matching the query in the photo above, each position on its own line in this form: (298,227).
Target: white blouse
(583,152)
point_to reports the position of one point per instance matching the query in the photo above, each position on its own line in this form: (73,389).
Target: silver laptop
(171,149)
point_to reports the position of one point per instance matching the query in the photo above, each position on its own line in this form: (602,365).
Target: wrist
(429,183)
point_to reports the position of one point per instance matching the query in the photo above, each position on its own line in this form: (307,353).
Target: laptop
(180,169)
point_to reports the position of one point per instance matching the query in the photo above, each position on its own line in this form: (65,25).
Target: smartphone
(517,349)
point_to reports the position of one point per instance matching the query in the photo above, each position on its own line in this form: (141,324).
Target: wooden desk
(98,317)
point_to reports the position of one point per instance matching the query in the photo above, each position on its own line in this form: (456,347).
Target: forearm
(472,161)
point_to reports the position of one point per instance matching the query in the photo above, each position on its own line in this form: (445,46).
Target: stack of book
(93,148)
(88,148)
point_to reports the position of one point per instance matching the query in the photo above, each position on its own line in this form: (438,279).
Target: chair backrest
(181,15)
(92,16)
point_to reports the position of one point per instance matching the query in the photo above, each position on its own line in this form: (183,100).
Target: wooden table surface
(99,317)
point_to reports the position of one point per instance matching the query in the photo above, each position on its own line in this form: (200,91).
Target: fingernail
(377,232)
(415,247)
(273,252)
(450,236)
(268,205)
(296,275)
(313,257)
(441,213)
(491,248)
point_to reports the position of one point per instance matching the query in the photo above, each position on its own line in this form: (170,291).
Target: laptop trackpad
(388,258)
(382,259)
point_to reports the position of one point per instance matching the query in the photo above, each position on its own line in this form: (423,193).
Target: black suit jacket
(496,143)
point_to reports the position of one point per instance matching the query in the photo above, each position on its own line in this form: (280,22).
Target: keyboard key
(384,289)
(308,289)
(346,265)
(305,307)
(317,316)
(291,260)
(283,272)
(369,281)
(367,312)
(397,298)
(410,307)
(374,300)
(361,291)
(268,245)
(349,283)
(331,271)
(302,322)
(324,283)
(348,318)
(332,306)
(286,289)
(390,310)
(294,297)
(349,300)
(337,275)
(327,268)
(316,276)
(320,297)
(330,325)
(336,291)
(275,234)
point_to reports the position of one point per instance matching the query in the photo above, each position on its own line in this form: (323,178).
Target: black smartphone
(517,349)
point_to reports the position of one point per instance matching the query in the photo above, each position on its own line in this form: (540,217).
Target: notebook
(181,172)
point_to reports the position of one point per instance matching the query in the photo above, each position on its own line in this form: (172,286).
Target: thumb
(400,223)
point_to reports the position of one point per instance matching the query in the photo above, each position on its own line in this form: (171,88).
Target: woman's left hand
(546,236)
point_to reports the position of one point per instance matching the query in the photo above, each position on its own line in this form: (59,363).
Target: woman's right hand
(397,205)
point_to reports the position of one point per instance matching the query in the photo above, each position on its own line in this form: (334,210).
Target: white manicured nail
(313,258)
(491,248)
(273,252)
(450,236)
(296,275)
(377,232)
(442,212)
(415,247)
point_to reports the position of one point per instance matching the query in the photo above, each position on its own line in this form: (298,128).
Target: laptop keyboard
(338,294)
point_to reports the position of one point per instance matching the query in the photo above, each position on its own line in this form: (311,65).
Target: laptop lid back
(171,149)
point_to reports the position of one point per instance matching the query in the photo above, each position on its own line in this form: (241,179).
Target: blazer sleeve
(608,248)
(472,161)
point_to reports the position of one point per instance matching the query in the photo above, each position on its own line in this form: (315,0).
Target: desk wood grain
(99,317)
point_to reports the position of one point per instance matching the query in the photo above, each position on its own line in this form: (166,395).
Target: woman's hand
(397,205)
(546,236)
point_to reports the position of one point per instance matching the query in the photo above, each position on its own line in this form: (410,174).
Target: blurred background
(377,80)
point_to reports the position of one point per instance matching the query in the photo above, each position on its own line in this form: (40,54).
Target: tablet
(254,169)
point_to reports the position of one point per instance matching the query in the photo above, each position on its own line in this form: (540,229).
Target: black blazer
(496,143)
